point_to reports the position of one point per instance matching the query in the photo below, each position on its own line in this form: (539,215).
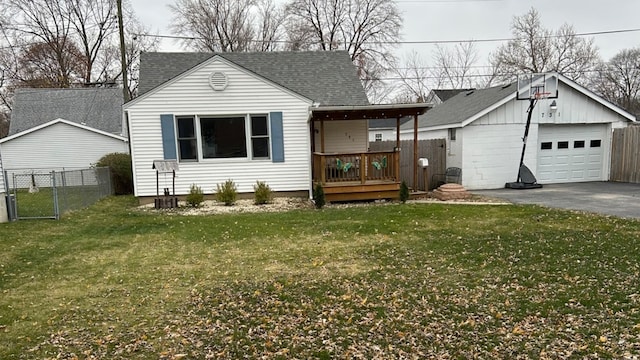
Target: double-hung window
(259,137)
(187,140)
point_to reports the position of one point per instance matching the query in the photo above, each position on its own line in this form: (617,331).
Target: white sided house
(58,144)
(54,129)
(239,116)
(569,138)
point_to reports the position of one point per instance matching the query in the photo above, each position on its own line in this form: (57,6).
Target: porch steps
(353,192)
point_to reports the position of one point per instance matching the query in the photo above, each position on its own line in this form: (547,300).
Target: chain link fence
(47,194)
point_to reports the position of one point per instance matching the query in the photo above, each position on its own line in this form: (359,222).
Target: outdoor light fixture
(553,107)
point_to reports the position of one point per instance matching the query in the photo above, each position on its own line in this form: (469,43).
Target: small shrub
(195,196)
(119,165)
(262,193)
(318,196)
(404,192)
(227,193)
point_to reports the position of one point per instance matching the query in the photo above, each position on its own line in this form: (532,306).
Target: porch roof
(367,112)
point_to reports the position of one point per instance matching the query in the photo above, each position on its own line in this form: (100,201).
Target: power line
(410,42)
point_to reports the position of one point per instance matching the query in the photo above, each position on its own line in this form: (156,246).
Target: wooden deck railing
(362,167)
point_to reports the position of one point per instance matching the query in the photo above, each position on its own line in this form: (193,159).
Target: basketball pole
(532,104)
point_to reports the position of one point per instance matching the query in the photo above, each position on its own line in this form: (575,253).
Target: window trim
(453,134)
(251,136)
(196,133)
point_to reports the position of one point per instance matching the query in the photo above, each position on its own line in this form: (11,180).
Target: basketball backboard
(537,86)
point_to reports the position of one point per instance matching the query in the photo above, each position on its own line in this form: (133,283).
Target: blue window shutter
(277,137)
(168,137)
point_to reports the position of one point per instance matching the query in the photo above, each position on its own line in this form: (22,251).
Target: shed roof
(326,77)
(98,108)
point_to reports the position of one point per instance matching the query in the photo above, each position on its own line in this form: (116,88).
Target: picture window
(223,137)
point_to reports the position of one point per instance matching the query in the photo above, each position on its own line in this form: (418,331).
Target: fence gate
(35,196)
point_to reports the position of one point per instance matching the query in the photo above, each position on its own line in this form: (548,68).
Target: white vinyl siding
(245,94)
(491,154)
(343,136)
(58,146)
(2,187)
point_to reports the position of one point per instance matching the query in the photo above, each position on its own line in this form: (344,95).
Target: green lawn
(380,281)
(36,204)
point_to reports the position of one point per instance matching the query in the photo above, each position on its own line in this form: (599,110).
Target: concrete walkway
(608,198)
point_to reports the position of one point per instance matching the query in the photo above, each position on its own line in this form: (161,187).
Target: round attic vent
(218,81)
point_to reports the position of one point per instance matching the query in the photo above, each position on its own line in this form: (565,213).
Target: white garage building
(569,138)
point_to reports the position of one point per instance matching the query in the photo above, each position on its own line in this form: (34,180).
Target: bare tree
(4,124)
(38,67)
(535,49)
(43,28)
(618,80)
(270,32)
(228,25)
(367,29)
(454,68)
(135,45)
(414,76)
(95,24)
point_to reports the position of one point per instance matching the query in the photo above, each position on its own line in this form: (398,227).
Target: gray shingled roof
(462,106)
(446,94)
(98,108)
(326,77)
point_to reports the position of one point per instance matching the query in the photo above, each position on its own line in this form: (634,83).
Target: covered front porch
(342,162)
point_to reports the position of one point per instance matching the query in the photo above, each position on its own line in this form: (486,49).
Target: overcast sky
(472,19)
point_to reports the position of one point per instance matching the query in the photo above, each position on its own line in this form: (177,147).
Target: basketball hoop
(541,95)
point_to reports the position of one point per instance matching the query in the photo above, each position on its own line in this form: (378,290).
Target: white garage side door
(571,153)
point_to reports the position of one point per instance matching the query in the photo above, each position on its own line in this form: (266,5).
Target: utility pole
(123,57)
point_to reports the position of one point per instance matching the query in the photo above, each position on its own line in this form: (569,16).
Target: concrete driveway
(608,198)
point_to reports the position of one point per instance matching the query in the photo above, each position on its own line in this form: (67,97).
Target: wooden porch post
(322,136)
(398,132)
(396,155)
(415,152)
(363,168)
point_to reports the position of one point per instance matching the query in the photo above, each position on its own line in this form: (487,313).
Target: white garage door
(571,153)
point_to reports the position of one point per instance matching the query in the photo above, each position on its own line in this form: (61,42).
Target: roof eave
(63,121)
(367,112)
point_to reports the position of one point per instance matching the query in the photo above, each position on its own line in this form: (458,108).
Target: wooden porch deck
(358,176)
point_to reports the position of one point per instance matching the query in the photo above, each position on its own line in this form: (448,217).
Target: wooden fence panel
(434,150)
(625,155)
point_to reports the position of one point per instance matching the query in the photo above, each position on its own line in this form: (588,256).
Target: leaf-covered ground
(395,281)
